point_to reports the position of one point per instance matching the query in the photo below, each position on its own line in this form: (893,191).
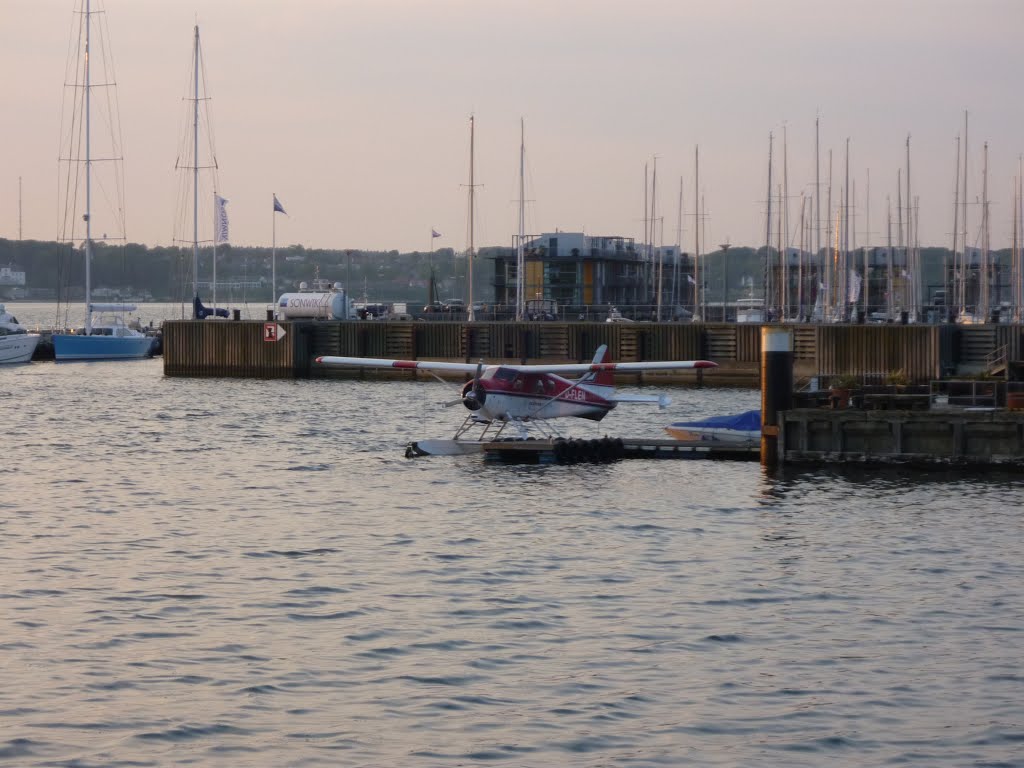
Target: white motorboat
(17,345)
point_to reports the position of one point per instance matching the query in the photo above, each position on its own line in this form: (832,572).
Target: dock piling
(776,387)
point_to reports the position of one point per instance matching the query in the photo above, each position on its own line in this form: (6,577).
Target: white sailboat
(108,336)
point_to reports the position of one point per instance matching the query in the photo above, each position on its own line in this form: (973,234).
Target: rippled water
(232,573)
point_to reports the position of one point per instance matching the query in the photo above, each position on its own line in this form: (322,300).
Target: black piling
(776,387)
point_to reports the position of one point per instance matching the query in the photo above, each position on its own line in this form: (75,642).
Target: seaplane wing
(423,365)
(557,368)
(583,368)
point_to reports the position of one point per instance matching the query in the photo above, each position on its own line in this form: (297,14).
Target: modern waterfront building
(574,269)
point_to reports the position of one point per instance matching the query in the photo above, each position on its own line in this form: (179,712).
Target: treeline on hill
(165,273)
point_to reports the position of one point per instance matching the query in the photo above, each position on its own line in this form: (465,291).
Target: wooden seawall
(954,437)
(242,348)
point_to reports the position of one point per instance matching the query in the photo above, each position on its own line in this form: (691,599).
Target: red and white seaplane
(518,396)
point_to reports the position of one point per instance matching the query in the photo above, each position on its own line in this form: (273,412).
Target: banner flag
(221,236)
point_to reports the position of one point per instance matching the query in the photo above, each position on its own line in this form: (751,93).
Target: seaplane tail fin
(601,378)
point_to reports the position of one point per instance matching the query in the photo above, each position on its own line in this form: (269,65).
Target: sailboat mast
(957,264)
(889,305)
(829,272)
(912,271)
(768,234)
(195,168)
(1018,203)
(784,220)
(696,233)
(817,193)
(647,228)
(899,234)
(984,276)
(470,256)
(845,275)
(679,249)
(867,244)
(654,203)
(88,178)
(966,259)
(520,260)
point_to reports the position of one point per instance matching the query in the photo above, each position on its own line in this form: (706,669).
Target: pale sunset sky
(356,112)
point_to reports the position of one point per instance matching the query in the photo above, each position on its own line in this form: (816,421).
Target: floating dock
(605,449)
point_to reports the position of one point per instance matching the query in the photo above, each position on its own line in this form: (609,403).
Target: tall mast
(867,243)
(520,260)
(1018,284)
(957,264)
(654,204)
(984,276)
(88,178)
(912,270)
(195,168)
(966,260)
(889,304)
(768,235)
(470,256)
(817,193)
(679,248)
(845,276)
(829,272)
(781,250)
(800,263)
(899,234)
(784,204)
(696,232)
(645,273)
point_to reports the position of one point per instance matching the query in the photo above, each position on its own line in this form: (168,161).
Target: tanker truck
(326,304)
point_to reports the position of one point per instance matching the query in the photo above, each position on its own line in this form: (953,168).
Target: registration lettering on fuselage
(577,395)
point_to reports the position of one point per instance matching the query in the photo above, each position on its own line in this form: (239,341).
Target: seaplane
(506,401)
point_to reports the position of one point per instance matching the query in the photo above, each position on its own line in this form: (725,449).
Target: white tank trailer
(315,305)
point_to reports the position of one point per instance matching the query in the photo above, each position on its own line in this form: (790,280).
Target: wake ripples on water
(250,573)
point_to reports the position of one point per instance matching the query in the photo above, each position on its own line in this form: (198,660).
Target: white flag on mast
(221,236)
(853,290)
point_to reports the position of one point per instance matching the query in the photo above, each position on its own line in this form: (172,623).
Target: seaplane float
(506,401)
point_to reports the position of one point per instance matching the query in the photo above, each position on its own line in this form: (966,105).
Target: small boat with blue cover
(741,428)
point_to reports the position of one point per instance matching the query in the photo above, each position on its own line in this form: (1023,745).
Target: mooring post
(776,387)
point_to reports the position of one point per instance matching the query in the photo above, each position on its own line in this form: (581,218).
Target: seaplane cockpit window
(500,374)
(538,385)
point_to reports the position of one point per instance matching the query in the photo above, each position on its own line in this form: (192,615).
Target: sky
(355,113)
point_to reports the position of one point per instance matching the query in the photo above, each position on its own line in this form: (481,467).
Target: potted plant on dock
(840,389)
(897,379)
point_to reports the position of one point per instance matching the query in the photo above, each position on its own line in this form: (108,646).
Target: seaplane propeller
(475,395)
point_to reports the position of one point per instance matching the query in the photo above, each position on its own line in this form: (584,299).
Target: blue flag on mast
(278,207)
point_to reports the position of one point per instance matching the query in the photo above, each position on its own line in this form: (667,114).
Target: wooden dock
(288,349)
(605,449)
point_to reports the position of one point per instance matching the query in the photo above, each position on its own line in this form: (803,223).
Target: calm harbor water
(223,572)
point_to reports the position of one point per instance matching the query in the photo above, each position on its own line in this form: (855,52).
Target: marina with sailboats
(391,491)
